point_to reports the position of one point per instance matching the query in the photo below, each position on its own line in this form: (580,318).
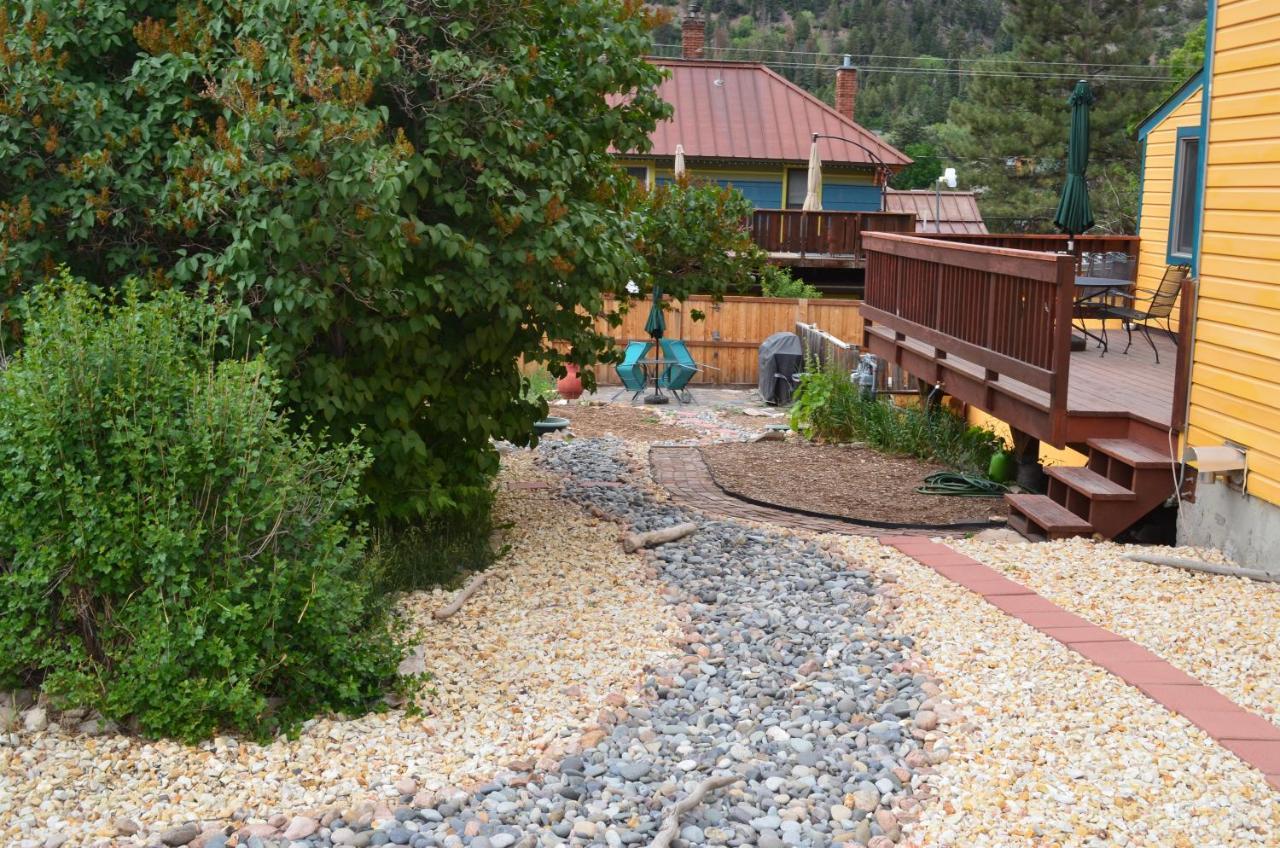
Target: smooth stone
(180,835)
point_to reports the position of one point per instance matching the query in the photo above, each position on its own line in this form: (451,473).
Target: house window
(797,187)
(639,173)
(1186,179)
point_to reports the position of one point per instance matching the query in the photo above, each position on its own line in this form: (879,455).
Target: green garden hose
(961,485)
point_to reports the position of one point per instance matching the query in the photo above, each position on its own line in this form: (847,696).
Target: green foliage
(828,406)
(400,198)
(924,170)
(438,553)
(694,238)
(169,553)
(777,281)
(1012,131)
(1187,58)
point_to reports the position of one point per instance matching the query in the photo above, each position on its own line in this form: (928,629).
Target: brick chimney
(846,88)
(693,32)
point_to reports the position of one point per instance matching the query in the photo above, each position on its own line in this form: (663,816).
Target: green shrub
(777,281)
(438,553)
(169,553)
(829,407)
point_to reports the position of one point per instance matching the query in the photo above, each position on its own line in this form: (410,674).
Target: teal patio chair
(676,376)
(630,371)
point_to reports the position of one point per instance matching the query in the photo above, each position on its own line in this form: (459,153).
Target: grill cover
(781,358)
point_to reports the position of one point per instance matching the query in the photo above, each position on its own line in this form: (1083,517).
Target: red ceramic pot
(570,385)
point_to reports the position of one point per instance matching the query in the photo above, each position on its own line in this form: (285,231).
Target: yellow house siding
(1157,192)
(1235,378)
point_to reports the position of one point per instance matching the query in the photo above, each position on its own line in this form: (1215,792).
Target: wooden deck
(1104,392)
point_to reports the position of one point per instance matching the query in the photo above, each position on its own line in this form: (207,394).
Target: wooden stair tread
(1090,483)
(1131,453)
(1048,514)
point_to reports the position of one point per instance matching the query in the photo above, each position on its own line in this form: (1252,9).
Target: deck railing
(823,233)
(1004,310)
(1113,256)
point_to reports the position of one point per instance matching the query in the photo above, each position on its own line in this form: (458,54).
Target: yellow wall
(1235,381)
(1049,455)
(1157,194)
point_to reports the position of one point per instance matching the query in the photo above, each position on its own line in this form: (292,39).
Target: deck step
(1091,484)
(1131,453)
(1046,516)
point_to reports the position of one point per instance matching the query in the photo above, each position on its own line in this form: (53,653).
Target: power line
(870,56)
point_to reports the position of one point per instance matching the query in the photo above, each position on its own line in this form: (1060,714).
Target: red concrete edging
(1252,738)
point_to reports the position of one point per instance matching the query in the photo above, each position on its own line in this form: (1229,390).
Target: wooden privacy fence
(1005,314)
(826,233)
(826,348)
(729,336)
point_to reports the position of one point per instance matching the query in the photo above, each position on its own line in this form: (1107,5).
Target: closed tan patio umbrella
(679,161)
(813,193)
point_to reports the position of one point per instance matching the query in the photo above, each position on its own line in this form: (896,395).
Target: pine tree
(1010,133)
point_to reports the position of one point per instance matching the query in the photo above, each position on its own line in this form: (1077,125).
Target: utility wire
(869,56)
(958,71)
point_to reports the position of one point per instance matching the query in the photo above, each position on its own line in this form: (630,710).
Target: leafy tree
(400,198)
(1187,58)
(170,553)
(693,238)
(1011,131)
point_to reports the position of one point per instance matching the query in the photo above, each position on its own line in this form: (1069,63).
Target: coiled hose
(961,485)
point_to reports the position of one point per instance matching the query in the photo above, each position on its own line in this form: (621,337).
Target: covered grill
(781,359)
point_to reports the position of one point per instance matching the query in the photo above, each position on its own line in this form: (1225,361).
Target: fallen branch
(636,541)
(467,591)
(671,822)
(1205,567)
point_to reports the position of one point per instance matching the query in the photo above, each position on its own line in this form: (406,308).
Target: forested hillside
(979,85)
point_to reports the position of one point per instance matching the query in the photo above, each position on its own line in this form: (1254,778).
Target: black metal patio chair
(1158,309)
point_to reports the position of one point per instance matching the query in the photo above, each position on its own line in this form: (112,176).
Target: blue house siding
(851,198)
(763,194)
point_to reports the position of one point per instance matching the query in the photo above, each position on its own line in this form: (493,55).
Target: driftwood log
(636,541)
(1205,567)
(467,591)
(671,822)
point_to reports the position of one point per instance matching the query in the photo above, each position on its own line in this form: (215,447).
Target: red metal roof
(743,110)
(959,210)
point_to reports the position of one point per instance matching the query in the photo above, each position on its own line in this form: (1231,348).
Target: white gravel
(567,626)
(1221,630)
(1050,750)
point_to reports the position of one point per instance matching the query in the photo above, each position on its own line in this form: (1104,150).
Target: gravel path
(1221,630)
(1051,750)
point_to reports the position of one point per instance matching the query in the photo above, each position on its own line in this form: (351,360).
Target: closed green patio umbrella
(1074,213)
(656,324)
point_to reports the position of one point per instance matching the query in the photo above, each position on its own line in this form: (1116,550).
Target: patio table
(657,397)
(1089,289)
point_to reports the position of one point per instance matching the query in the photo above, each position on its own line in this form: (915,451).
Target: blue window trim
(1206,98)
(1142,181)
(1181,258)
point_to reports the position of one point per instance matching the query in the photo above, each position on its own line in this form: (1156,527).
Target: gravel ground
(1221,630)
(793,681)
(1050,750)
(856,482)
(567,624)
(672,423)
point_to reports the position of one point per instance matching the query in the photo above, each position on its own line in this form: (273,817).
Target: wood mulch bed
(855,482)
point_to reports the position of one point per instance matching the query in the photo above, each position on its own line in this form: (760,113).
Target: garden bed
(854,482)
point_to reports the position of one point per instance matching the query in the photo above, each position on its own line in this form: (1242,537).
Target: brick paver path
(1252,738)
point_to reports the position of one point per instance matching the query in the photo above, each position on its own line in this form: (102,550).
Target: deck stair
(1123,481)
